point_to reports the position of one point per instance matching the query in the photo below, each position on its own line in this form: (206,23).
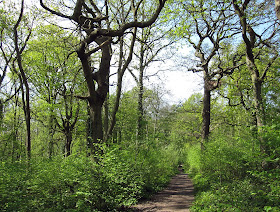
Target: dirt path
(178,196)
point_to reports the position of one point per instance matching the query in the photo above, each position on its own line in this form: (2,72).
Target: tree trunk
(97,128)
(24,83)
(96,117)
(27,120)
(51,134)
(121,69)
(89,130)
(15,129)
(106,114)
(97,95)
(140,112)
(68,136)
(206,112)
(140,121)
(277,8)
(26,109)
(1,112)
(258,101)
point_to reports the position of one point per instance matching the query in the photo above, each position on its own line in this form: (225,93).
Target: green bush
(78,183)
(227,159)
(232,174)
(235,196)
(13,186)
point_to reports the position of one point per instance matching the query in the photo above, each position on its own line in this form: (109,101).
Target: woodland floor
(178,196)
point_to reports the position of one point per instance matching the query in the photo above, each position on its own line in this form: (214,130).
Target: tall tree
(19,48)
(150,43)
(209,25)
(69,120)
(260,37)
(53,74)
(93,20)
(15,32)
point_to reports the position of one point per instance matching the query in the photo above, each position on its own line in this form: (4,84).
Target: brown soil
(178,196)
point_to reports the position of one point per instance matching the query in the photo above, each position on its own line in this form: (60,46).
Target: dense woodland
(72,139)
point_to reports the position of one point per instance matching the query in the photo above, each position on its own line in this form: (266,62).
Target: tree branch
(53,11)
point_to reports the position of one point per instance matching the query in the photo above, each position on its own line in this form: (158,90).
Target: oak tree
(97,27)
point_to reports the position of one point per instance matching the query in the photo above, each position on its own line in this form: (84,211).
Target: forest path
(178,196)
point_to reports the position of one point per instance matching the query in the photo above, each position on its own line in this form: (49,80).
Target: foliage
(77,183)
(187,122)
(126,126)
(231,172)
(193,159)
(234,175)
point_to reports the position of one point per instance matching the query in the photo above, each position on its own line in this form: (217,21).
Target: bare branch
(108,41)
(262,78)
(53,11)
(133,75)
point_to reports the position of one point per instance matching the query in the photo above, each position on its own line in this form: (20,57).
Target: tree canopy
(84,128)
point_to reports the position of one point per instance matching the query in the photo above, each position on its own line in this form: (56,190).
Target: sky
(177,86)
(181,85)
(177,83)
(174,80)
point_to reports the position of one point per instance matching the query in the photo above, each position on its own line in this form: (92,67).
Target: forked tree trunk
(98,88)
(97,30)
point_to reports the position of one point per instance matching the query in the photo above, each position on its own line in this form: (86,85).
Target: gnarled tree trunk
(97,96)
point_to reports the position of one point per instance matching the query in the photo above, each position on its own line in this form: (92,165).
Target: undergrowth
(232,174)
(77,183)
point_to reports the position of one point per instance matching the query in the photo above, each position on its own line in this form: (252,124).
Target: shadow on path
(178,196)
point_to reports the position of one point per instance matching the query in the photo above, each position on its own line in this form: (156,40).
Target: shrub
(78,183)
(234,175)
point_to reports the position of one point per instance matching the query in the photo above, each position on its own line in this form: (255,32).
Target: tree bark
(96,96)
(51,134)
(1,111)
(257,91)
(68,142)
(277,8)
(106,113)
(96,117)
(206,117)
(140,112)
(89,131)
